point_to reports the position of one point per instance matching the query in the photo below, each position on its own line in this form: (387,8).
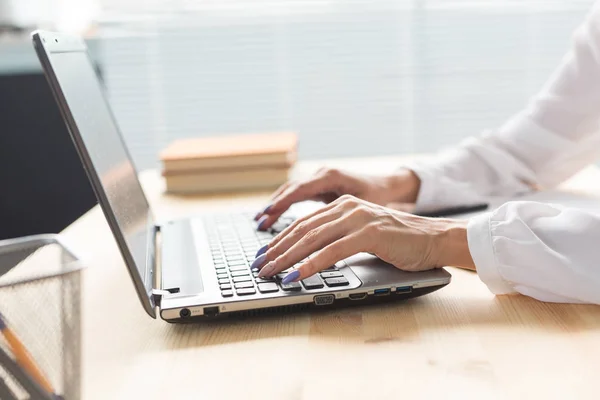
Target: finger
(293,194)
(303,223)
(314,240)
(305,235)
(281,189)
(337,251)
(266,254)
(277,192)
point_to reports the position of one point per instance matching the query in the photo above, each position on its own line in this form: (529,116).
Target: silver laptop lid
(103,153)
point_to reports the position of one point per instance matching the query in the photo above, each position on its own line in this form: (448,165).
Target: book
(225,180)
(231,151)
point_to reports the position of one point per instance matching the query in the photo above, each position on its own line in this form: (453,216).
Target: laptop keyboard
(234,241)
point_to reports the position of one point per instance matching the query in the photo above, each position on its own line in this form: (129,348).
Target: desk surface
(458,341)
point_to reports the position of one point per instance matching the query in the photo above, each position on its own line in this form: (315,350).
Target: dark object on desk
(448,212)
(44,187)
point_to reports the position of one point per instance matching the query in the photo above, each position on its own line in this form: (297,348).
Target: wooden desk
(460,341)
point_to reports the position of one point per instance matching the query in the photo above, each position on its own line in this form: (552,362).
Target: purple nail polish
(291,277)
(267,208)
(262,250)
(261,222)
(259,261)
(267,269)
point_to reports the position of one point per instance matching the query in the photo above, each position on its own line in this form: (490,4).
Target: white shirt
(547,252)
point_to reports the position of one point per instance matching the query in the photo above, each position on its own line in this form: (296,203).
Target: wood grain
(460,342)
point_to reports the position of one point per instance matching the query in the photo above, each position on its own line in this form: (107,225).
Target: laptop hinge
(158,294)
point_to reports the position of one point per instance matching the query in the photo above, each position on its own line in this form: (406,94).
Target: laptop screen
(117,185)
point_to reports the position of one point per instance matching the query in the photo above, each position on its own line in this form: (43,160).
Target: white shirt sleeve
(543,251)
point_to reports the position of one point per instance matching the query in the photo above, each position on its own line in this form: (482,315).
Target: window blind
(353,78)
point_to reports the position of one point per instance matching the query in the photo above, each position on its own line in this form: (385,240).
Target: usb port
(403,289)
(357,296)
(381,292)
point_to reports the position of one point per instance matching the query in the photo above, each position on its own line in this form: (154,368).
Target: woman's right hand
(329,184)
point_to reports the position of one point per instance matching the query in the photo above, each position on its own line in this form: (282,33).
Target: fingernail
(264,211)
(261,222)
(267,270)
(291,277)
(262,250)
(259,261)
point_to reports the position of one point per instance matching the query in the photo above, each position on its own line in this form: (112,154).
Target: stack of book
(229,163)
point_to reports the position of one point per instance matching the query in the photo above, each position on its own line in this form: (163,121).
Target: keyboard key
(236,263)
(240,273)
(332,282)
(243,285)
(225,286)
(332,268)
(220,267)
(235,258)
(313,282)
(238,279)
(268,287)
(292,286)
(227,293)
(223,281)
(238,268)
(244,292)
(224,275)
(282,274)
(264,280)
(332,274)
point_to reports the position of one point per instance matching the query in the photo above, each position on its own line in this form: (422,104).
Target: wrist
(403,186)
(453,246)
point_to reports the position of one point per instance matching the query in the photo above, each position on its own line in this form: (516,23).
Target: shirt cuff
(479,237)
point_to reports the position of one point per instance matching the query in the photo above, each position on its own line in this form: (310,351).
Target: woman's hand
(328,185)
(349,226)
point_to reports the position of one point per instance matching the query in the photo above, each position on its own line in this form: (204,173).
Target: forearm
(453,246)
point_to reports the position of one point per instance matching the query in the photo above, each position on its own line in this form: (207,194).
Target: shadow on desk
(399,322)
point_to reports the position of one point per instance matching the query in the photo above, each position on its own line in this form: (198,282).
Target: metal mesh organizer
(40,302)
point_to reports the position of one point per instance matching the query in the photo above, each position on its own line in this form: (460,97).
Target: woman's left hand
(349,226)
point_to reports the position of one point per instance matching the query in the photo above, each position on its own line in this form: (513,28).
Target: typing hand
(328,185)
(349,226)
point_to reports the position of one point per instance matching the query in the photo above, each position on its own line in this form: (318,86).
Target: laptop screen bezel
(46,43)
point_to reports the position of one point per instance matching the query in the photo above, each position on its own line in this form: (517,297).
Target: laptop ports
(381,292)
(403,289)
(185,313)
(211,311)
(357,296)
(324,299)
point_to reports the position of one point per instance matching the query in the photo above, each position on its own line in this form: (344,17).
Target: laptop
(198,268)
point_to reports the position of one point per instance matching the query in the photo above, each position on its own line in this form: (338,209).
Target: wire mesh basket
(40,319)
